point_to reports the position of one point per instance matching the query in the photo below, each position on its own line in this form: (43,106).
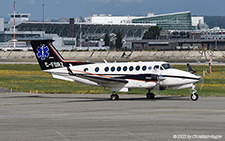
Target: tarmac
(92,117)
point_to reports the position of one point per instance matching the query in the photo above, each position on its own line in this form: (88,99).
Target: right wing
(102,80)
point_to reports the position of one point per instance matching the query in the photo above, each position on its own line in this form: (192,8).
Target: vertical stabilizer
(48,57)
(46,54)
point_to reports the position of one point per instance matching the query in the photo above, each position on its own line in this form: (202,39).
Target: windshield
(167,66)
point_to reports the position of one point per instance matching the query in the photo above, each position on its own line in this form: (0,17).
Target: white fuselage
(137,74)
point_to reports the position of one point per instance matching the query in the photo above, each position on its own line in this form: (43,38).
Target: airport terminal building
(132,27)
(172,21)
(89,31)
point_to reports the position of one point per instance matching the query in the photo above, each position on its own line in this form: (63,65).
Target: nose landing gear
(194,95)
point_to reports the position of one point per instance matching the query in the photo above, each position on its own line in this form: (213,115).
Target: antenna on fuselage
(105,61)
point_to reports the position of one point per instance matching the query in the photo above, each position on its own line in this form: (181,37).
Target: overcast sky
(54,9)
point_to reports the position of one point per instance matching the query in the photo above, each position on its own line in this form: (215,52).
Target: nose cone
(191,78)
(187,76)
(196,78)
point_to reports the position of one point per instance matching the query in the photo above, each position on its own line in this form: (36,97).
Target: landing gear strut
(194,95)
(150,95)
(114,96)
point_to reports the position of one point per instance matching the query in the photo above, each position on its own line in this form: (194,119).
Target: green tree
(107,39)
(152,33)
(119,40)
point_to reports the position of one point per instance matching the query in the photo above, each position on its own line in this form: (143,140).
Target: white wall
(197,20)
(109,19)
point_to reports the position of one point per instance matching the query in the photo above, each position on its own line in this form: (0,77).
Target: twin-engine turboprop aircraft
(118,76)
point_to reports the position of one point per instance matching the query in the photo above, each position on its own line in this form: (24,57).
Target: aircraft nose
(196,78)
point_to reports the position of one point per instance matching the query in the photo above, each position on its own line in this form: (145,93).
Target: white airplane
(118,76)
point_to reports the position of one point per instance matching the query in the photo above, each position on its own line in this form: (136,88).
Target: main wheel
(194,97)
(114,97)
(150,96)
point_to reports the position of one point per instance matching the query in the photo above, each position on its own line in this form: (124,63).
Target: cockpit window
(166,66)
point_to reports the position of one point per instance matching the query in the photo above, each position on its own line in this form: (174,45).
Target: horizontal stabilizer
(62,77)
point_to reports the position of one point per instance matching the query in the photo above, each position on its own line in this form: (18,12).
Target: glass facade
(175,21)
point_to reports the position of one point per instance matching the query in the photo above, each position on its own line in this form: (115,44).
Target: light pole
(14,25)
(43,20)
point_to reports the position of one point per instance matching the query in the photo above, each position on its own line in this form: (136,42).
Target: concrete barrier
(159,54)
(73,55)
(15,54)
(83,55)
(29,54)
(104,54)
(1,54)
(169,54)
(65,55)
(6,54)
(95,55)
(121,56)
(218,54)
(114,55)
(145,54)
(135,55)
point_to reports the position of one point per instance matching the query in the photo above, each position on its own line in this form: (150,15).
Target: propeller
(201,82)
(160,78)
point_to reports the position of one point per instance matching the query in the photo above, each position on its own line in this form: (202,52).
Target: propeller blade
(157,88)
(202,80)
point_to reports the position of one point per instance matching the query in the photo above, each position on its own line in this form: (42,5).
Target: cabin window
(150,68)
(144,68)
(97,69)
(118,68)
(156,67)
(125,68)
(112,69)
(106,69)
(131,68)
(137,68)
(86,69)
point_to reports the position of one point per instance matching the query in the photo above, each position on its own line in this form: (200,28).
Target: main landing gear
(150,95)
(114,96)
(194,95)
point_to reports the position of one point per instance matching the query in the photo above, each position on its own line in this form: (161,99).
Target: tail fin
(48,57)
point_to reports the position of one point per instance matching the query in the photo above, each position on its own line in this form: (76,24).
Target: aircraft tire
(114,97)
(150,96)
(194,97)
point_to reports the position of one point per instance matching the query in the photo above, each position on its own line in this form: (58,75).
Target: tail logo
(42,52)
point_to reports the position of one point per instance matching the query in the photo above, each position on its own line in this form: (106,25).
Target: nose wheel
(194,95)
